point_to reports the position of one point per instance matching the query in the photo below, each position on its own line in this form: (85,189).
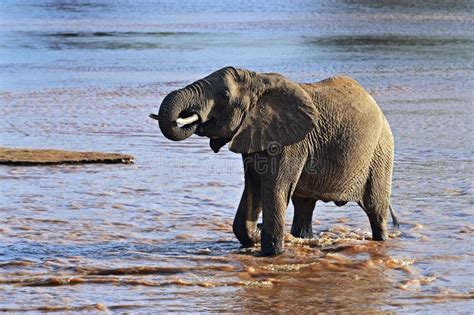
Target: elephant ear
(282,114)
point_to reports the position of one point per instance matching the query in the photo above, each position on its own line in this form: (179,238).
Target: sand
(9,156)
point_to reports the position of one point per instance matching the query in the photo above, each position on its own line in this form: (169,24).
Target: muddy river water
(156,235)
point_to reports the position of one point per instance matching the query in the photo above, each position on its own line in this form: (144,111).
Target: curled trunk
(174,106)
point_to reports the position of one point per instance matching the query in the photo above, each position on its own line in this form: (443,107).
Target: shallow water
(156,235)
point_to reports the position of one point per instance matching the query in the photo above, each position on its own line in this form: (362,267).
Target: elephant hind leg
(378,220)
(376,197)
(302,221)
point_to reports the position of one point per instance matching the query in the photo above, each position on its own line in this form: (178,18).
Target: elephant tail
(395,222)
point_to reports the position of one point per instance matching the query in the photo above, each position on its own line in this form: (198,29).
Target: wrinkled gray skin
(324,141)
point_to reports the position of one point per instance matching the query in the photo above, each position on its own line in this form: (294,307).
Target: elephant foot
(378,220)
(249,242)
(271,245)
(270,254)
(380,237)
(247,238)
(379,231)
(379,228)
(305,231)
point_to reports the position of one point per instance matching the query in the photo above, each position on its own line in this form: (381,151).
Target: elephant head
(248,109)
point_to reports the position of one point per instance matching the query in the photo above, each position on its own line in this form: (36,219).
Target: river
(156,235)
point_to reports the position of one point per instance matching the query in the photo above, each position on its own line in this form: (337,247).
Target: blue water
(84,75)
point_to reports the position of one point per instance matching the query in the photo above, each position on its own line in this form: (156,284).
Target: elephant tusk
(181,122)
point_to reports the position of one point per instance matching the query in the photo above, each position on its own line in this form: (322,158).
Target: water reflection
(68,6)
(113,40)
(391,41)
(414,6)
(323,280)
(401,45)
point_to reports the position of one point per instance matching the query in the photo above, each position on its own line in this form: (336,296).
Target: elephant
(306,142)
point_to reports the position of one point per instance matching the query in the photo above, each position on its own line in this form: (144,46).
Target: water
(84,75)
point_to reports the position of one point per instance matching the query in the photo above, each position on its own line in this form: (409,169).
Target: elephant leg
(274,208)
(245,221)
(302,220)
(376,198)
(278,184)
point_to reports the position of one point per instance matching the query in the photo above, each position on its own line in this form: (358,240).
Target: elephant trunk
(176,119)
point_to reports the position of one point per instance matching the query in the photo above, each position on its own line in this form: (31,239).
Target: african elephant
(324,141)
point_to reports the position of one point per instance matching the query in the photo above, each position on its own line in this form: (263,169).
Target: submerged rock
(9,156)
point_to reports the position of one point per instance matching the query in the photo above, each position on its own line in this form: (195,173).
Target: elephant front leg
(274,209)
(277,186)
(245,222)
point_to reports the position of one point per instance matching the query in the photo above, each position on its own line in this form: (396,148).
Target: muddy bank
(27,157)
